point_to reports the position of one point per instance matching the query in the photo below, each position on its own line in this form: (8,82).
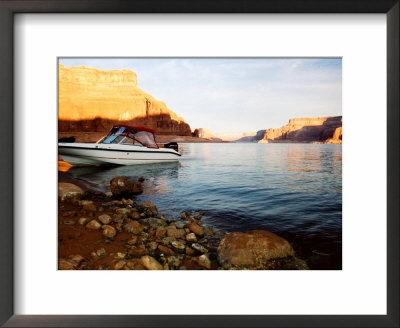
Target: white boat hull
(117,154)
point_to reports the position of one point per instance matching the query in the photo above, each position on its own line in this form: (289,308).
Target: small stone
(127,201)
(90,207)
(85,202)
(167,240)
(166,250)
(64,264)
(83,221)
(175,233)
(160,232)
(101,252)
(166,266)
(180,224)
(119,218)
(197,216)
(199,248)
(135,215)
(137,251)
(204,261)
(121,255)
(94,225)
(69,191)
(182,267)
(209,232)
(141,179)
(104,218)
(174,261)
(194,227)
(109,231)
(180,245)
(152,246)
(123,211)
(119,265)
(191,237)
(189,251)
(133,227)
(143,237)
(69,222)
(150,263)
(132,241)
(142,215)
(77,259)
(203,241)
(154,222)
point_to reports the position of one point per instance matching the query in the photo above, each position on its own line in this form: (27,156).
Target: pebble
(135,215)
(94,225)
(119,265)
(132,241)
(123,211)
(70,222)
(160,232)
(152,246)
(180,245)
(83,221)
(166,250)
(90,207)
(133,227)
(209,232)
(154,222)
(109,231)
(180,224)
(104,218)
(127,201)
(121,255)
(101,252)
(64,264)
(85,202)
(199,248)
(189,251)
(191,237)
(175,233)
(167,240)
(150,263)
(204,261)
(174,261)
(194,227)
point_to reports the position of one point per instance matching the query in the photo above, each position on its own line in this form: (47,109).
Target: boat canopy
(130,135)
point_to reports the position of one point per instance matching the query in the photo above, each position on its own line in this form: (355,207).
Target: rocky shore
(112,232)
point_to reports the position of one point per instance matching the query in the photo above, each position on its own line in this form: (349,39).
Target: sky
(232,96)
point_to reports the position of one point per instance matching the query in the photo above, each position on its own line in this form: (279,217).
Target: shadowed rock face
(318,129)
(95,100)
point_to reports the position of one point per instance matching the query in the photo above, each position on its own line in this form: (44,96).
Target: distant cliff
(94,100)
(319,129)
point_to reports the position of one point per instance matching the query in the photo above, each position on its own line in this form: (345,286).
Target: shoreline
(98,231)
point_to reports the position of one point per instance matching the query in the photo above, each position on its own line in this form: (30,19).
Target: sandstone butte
(92,100)
(317,129)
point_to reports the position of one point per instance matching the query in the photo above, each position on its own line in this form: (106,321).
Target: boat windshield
(130,136)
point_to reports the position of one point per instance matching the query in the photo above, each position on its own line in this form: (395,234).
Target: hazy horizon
(233,96)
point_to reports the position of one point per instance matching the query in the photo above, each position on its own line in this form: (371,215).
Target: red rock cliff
(94,100)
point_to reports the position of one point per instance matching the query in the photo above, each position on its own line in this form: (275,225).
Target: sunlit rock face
(316,129)
(94,100)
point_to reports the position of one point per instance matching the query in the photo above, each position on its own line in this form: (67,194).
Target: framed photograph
(186,163)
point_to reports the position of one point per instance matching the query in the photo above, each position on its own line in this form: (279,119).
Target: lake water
(293,190)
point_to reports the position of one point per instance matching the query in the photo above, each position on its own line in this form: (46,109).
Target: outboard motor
(67,139)
(172,145)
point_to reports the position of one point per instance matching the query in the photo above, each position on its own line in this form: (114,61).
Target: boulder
(252,249)
(122,186)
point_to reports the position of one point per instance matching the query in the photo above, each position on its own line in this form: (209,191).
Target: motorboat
(123,145)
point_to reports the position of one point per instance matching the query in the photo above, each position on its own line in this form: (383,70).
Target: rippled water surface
(294,190)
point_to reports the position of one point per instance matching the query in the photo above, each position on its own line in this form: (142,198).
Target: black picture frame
(10,7)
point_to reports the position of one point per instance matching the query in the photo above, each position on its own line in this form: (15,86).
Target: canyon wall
(318,129)
(90,99)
